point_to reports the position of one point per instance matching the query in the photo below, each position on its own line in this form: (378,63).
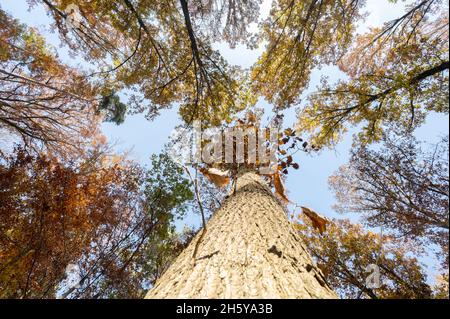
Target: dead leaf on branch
(279,188)
(319,222)
(216,176)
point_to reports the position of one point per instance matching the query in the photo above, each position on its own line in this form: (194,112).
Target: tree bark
(249,250)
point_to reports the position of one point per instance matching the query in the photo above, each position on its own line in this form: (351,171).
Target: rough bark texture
(249,250)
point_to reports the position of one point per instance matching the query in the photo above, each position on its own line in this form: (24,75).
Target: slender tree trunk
(249,250)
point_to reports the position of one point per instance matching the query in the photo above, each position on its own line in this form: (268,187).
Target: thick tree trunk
(249,250)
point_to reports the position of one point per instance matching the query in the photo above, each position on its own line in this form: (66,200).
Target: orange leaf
(319,222)
(279,188)
(217,177)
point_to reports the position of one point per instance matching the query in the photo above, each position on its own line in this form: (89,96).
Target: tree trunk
(249,250)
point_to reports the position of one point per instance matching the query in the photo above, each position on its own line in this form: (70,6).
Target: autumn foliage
(50,215)
(70,199)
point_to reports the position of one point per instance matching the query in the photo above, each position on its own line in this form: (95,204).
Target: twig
(200,205)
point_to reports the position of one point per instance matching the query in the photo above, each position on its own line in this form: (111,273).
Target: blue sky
(308,186)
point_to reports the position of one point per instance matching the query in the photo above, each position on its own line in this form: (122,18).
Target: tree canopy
(69,199)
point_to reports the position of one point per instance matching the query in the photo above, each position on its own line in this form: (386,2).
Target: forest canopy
(69,199)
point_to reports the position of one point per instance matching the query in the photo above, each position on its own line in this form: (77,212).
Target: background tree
(50,214)
(441,287)
(401,187)
(128,258)
(180,64)
(55,214)
(43,104)
(396,75)
(300,36)
(346,249)
(112,109)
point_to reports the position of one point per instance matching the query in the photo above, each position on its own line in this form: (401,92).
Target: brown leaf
(319,222)
(215,176)
(279,188)
(289,160)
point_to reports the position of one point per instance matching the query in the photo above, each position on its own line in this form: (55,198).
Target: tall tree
(160,54)
(247,249)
